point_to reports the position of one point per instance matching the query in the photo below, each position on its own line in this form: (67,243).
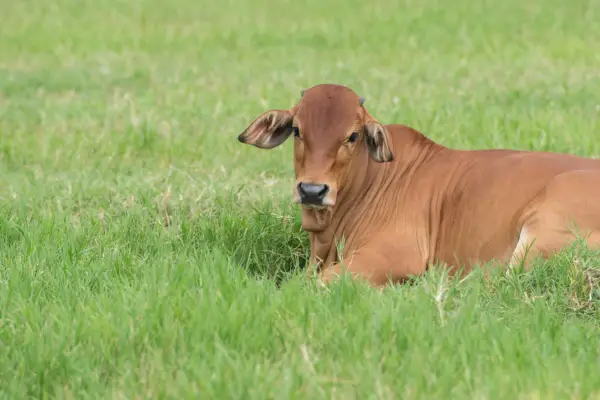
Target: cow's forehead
(327,106)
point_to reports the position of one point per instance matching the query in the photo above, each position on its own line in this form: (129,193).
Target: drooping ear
(269,130)
(378,141)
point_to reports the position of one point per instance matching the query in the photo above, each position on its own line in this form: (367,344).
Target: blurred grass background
(144,252)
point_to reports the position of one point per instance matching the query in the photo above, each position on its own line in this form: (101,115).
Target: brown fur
(400,201)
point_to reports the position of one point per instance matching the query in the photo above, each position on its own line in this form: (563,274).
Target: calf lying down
(400,201)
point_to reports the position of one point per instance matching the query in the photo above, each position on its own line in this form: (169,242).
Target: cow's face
(330,129)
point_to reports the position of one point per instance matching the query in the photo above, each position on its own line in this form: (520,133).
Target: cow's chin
(316,218)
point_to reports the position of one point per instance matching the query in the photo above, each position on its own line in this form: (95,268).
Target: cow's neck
(363,200)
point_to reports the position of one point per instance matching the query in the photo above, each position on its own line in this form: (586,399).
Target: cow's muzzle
(312,193)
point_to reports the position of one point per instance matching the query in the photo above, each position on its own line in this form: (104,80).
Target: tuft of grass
(145,253)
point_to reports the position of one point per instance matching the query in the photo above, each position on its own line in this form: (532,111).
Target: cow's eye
(296,131)
(353,137)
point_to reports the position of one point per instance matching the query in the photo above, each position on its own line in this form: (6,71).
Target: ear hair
(378,142)
(268,130)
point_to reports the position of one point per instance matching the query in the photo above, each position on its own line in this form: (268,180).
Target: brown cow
(400,201)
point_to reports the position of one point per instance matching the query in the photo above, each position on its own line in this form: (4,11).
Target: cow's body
(460,208)
(395,202)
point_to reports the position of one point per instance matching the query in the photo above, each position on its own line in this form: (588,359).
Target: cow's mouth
(315,207)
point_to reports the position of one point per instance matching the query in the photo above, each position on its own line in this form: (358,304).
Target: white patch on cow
(521,249)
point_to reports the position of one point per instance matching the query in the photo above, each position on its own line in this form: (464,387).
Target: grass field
(145,253)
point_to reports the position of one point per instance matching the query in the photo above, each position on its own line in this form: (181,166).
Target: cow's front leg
(378,265)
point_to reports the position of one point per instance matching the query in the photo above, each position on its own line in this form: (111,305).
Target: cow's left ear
(378,141)
(269,130)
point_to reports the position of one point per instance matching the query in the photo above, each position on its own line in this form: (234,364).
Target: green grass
(145,253)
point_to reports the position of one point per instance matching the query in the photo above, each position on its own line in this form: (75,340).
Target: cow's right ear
(269,130)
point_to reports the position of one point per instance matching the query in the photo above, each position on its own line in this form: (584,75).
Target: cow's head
(331,131)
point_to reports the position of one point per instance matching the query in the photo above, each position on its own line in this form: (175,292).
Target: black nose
(311,193)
